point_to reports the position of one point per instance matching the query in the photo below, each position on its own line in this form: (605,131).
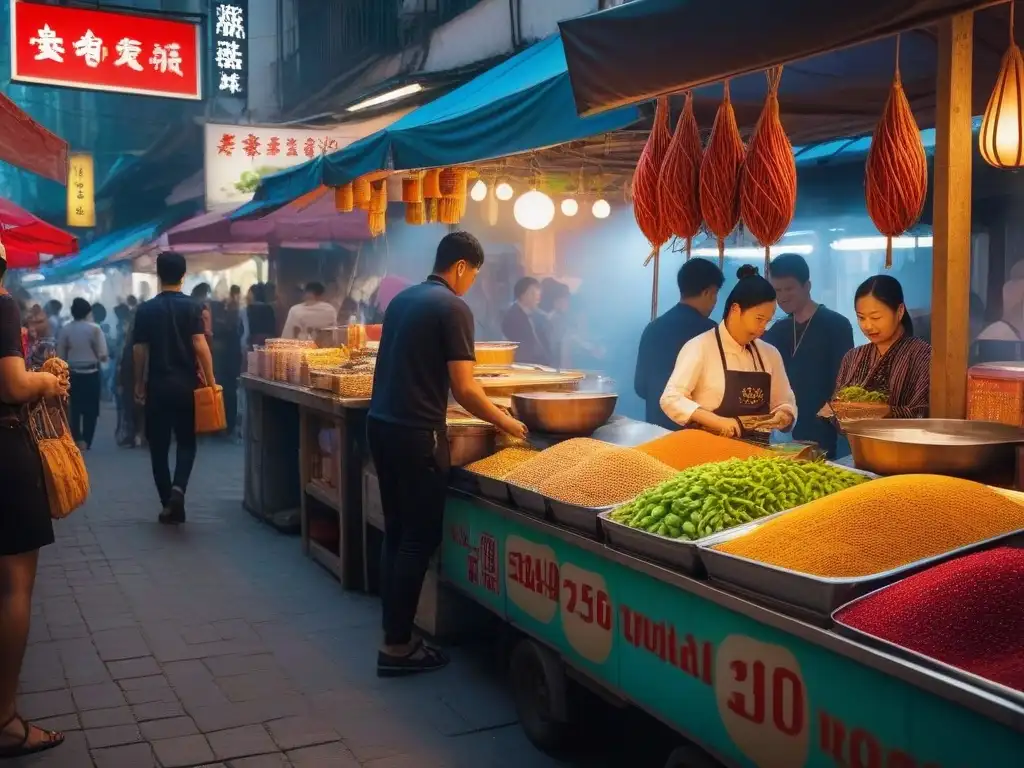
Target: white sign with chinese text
(236,157)
(231,48)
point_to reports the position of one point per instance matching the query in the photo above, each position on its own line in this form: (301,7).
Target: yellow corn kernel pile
(880,525)
(607,477)
(532,473)
(499,464)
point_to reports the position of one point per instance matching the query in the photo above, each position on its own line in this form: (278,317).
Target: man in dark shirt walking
(426,348)
(812,341)
(699,283)
(169,351)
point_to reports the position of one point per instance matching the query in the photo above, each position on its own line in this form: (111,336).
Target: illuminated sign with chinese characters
(103,51)
(230,22)
(81,191)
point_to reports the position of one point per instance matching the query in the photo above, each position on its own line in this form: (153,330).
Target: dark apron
(746,393)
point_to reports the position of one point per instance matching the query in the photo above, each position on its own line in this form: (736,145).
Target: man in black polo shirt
(169,348)
(426,348)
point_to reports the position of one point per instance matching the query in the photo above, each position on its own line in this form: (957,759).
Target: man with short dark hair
(522,325)
(699,282)
(169,349)
(312,314)
(426,349)
(812,341)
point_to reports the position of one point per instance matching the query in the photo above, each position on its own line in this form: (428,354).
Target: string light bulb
(504,191)
(601,209)
(1001,139)
(570,207)
(479,191)
(534,210)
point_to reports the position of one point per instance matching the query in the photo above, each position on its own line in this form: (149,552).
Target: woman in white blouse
(728,374)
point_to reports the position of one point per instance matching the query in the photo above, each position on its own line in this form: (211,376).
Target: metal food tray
(465,480)
(818,595)
(583,520)
(674,553)
(530,502)
(887,646)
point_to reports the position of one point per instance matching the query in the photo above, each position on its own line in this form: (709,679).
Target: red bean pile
(967,612)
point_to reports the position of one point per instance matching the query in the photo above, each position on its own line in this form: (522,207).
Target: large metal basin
(933,446)
(565,413)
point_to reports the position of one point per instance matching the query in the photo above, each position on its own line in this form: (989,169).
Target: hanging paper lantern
(896,176)
(379,196)
(448,182)
(1001,140)
(432,184)
(679,188)
(343,202)
(453,183)
(720,175)
(361,192)
(412,189)
(768,181)
(377,223)
(645,181)
(416,213)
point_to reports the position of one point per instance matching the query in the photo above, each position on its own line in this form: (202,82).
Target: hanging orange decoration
(768,180)
(679,187)
(361,192)
(416,213)
(343,202)
(896,175)
(378,196)
(646,207)
(720,175)
(1001,140)
(412,189)
(448,182)
(453,183)
(432,184)
(377,223)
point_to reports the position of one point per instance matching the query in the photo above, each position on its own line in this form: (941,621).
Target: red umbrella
(26,237)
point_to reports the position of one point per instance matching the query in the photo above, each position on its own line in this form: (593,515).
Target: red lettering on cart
(459,535)
(738,701)
(538,575)
(861,749)
(661,639)
(786,681)
(589,604)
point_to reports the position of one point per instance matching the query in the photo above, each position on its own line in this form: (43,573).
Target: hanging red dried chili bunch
(768,181)
(679,187)
(645,180)
(896,177)
(720,175)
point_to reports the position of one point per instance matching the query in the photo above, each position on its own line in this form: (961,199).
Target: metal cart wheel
(691,756)
(539,691)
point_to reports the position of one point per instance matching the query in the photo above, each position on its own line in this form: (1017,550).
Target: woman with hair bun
(894,361)
(728,376)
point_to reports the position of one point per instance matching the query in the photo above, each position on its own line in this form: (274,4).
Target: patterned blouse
(903,372)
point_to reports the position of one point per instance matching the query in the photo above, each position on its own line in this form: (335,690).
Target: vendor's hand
(53,386)
(726,427)
(781,420)
(514,428)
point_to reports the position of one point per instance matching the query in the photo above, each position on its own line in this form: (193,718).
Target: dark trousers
(170,412)
(85,405)
(230,403)
(412,466)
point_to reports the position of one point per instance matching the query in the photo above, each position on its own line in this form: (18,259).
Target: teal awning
(522,104)
(102,250)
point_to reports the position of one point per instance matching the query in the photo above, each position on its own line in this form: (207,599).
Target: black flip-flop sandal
(13,751)
(422,658)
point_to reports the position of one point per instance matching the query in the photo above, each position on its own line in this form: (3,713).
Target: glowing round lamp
(479,191)
(504,191)
(1001,139)
(601,209)
(534,210)
(570,207)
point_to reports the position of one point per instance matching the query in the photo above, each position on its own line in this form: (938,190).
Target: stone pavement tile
(129,669)
(100,696)
(157,710)
(223,716)
(39,681)
(144,683)
(164,694)
(113,736)
(190,671)
(119,644)
(48,704)
(183,751)
(234,664)
(332,755)
(68,631)
(171,728)
(296,732)
(129,756)
(202,633)
(62,723)
(255,686)
(262,761)
(104,718)
(247,741)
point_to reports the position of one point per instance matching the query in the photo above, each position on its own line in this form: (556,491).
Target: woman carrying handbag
(25,524)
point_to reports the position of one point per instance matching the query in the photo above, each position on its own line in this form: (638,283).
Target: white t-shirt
(305,319)
(698,380)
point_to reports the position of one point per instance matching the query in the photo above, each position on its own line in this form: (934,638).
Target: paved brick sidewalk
(220,644)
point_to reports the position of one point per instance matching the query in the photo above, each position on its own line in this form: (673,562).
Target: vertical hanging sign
(230,50)
(81,191)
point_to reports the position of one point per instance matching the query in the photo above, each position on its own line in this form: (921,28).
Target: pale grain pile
(607,477)
(532,473)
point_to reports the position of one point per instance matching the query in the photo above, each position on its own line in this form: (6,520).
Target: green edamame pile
(712,497)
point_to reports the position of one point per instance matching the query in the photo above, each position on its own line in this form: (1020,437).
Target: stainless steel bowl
(566,413)
(470,442)
(933,446)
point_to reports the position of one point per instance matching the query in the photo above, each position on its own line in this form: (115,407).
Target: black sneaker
(174,511)
(423,658)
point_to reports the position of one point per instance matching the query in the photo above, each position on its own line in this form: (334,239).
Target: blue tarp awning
(524,103)
(101,250)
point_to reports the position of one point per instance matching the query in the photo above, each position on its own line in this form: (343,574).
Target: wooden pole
(951,254)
